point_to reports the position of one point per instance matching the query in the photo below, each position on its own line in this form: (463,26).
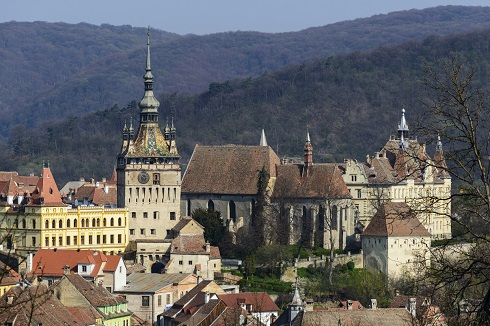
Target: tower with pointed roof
(148,171)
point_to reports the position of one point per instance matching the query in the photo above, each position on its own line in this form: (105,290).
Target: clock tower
(148,171)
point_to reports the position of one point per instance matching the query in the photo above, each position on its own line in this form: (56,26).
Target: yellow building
(39,219)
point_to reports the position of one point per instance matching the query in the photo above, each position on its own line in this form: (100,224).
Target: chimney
(10,298)
(412,306)
(374,304)
(208,247)
(82,179)
(349,304)
(104,179)
(106,188)
(206,297)
(66,270)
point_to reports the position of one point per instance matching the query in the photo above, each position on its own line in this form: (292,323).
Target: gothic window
(232,210)
(210,205)
(333,218)
(321,218)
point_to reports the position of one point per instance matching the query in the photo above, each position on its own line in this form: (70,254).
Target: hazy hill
(53,70)
(350,103)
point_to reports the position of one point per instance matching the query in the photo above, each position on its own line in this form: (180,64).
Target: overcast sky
(210,16)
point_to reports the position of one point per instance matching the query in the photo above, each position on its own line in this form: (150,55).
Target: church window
(333,218)
(60,224)
(46,224)
(172,216)
(232,211)
(53,224)
(156,178)
(189,207)
(112,221)
(210,205)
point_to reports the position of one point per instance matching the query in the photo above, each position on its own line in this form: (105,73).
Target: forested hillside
(54,70)
(350,103)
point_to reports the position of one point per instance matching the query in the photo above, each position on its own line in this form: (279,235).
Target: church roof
(230,169)
(321,181)
(395,220)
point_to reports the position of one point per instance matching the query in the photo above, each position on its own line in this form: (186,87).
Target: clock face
(143,177)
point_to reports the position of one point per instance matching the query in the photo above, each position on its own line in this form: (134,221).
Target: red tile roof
(228,169)
(98,296)
(47,192)
(395,220)
(112,263)
(260,301)
(321,181)
(50,262)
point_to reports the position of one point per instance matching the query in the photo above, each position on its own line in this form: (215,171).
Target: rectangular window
(168,298)
(68,240)
(131,231)
(119,238)
(353,178)
(145,301)
(112,238)
(98,238)
(82,239)
(159,300)
(168,232)
(75,240)
(145,214)
(46,241)
(156,178)
(190,262)
(60,241)
(142,231)
(133,214)
(53,241)
(153,232)
(89,239)
(104,239)
(33,241)
(359,195)
(155,215)
(172,216)
(84,269)
(181,262)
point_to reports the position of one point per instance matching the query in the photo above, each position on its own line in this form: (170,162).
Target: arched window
(189,212)
(75,223)
(83,223)
(68,223)
(321,218)
(46,224)
(119,222)
(53,224)
(333,218)
(60,224)
(33,224)
(98,222)
(93,222)
(232,210)
(112,221)
(210,205)
(24,224)
(86,222)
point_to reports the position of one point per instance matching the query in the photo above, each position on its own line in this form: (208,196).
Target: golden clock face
(143,177)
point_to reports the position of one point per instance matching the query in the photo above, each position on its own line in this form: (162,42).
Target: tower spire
(148,104)
(403,126)
(308,154)
(263,140)
(439,143)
